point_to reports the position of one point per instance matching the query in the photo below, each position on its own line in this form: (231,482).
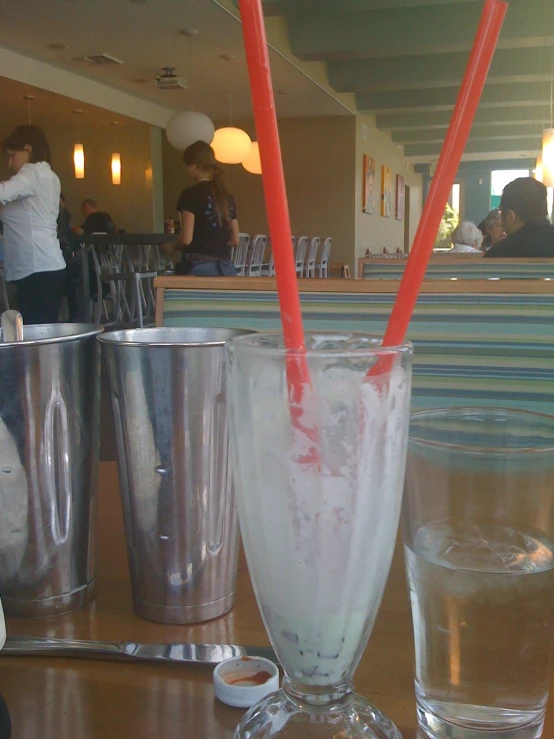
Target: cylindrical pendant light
(548,157)
(116,157)
(79,161)
(116,169)
(79,152)
(539,173)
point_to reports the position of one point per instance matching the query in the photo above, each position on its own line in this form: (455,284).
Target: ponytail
(221,196)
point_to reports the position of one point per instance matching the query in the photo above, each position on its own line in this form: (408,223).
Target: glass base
(279,716)
(453,721)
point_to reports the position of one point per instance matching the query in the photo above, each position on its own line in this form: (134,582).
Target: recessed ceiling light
(189,31)
(56,47)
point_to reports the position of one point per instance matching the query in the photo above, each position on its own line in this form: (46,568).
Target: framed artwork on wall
(386,192)
(400,189)
(368,203)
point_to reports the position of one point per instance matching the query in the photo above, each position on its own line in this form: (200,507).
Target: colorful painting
(368,203)
(386,192)
(400,190)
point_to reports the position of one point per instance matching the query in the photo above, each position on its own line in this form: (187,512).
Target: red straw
(449,162)
(263,102)
(257,58)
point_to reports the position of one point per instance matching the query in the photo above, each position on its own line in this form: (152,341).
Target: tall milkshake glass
(319,487)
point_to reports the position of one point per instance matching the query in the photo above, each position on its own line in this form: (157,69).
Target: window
(455,198)
(500,178)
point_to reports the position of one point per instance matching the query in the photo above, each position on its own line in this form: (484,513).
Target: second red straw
(449,162)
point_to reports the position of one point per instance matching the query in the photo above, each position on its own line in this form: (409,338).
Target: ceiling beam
(437,29)
(531,145)
(444,98)
(436,70)
(282,7)
(292,7)
(478,133)
(484,165)
(485,116)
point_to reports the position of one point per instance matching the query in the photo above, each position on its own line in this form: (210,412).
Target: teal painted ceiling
(404,60)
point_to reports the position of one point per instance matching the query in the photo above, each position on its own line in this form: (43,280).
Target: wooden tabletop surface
(83,699)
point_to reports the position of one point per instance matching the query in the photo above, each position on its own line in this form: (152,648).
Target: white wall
(374,232)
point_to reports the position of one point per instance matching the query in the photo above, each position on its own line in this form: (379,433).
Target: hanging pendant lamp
(116,169)
(116,159)
(79,153)
(253,163)
(539,172)
(231,145)
(548,157)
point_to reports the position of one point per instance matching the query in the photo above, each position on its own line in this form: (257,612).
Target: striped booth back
(485,348)
(461,268)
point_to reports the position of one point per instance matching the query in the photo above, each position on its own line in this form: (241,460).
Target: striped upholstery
(482,349)
(470,270)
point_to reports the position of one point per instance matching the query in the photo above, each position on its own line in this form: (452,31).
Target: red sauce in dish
(247,679)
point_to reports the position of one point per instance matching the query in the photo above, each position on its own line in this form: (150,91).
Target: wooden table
(83,699)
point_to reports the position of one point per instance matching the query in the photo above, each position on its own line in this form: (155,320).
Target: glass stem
(312,698)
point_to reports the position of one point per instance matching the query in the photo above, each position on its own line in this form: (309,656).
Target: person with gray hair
(466,239)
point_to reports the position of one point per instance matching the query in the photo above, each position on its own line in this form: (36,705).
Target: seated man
(96,222)
(524,212)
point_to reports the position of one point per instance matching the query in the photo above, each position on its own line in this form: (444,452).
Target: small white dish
(243,681)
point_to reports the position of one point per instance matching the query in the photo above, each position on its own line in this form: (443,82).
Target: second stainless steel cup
(168,397)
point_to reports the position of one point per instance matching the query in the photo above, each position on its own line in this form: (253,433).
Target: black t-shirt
(535,239)
(98,223)
(210,237)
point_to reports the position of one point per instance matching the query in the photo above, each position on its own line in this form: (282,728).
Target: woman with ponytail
(209,227)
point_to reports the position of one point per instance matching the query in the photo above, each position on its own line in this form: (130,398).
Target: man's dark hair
(89,201)
(527,197)
(32,136)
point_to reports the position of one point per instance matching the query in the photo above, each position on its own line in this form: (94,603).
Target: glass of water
(478,524)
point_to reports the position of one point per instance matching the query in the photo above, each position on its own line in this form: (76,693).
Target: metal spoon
(12,326)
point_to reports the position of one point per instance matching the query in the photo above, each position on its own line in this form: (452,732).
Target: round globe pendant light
(187,128)
(231,145)
(253,163)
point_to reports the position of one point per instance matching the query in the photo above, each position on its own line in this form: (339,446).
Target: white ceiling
(146,36)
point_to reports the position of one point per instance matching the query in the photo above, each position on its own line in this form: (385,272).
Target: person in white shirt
(466,239)
(29,207)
